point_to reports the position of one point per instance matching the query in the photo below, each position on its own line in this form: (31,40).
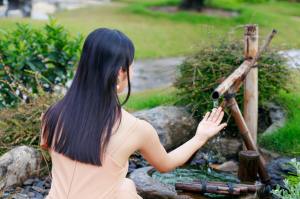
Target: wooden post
(248,166)
(247,138)
(250,110)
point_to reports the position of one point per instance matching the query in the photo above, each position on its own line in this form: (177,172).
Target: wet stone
(47,185)
(32,188)
(28,182)
(31,194)
(278,169)
(39,183)
(38,189)
(39,196)
(27,188)
(21,196)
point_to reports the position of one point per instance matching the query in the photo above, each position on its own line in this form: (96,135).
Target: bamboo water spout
(234,78)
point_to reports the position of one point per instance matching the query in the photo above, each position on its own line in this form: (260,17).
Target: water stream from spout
(215,103)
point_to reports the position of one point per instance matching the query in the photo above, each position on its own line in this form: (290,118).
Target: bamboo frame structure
(231,85)
(246,73)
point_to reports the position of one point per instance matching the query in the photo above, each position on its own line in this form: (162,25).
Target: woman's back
(73,179)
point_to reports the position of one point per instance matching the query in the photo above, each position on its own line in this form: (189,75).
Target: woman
(90,136)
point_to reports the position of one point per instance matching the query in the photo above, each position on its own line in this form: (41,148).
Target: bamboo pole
(250,187)
(246,136)
(217,187)
(250,110)
(209,188)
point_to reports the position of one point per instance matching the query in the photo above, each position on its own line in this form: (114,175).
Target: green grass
(284,16)
(150,99)
(157,34)
(286,140)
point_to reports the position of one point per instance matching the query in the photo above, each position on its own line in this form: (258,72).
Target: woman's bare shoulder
(142,126)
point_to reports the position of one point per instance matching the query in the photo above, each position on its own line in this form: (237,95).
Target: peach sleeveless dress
(76,180)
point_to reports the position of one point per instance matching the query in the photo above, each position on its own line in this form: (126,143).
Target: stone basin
(150,186)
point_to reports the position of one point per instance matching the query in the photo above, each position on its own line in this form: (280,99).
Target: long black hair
(80,124)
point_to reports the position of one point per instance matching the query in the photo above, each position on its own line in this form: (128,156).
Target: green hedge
(31,56)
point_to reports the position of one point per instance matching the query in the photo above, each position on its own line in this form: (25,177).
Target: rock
(199,159)
(17,165)
(219,150)
(38,189)
(136,161)
(21,196)
(39,195)
(229,147)
(249,196)
(264,120)
(229,166)
(277,116)
(268,155)
(39,183)
(277,170)
(174,125)
(34,188)
(148,188)
(31,194)
(28,182)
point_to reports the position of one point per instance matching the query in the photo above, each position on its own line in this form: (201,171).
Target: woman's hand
(210,124)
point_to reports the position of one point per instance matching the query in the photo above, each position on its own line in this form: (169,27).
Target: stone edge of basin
(149,188)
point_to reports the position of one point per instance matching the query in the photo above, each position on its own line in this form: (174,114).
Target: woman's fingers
(219,119)
(211,116)
(221,126)
(217,114)
(206,116)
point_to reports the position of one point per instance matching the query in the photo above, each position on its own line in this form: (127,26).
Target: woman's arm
(154,152)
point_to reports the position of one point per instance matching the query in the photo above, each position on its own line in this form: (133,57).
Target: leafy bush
(21,124)
(292,184)
(202,72)
(26,53)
